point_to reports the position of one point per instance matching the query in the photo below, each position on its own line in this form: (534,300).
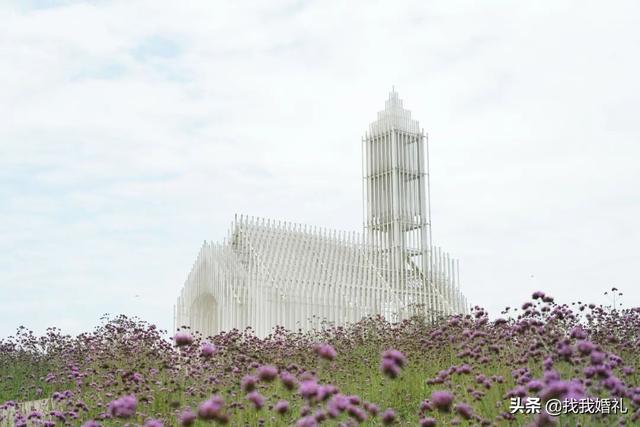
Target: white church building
(269,273)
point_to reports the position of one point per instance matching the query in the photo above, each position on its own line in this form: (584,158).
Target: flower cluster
(459,370)
(392,363)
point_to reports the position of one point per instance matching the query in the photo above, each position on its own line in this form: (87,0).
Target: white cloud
(133,130)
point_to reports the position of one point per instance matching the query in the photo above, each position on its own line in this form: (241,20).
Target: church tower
(396,194)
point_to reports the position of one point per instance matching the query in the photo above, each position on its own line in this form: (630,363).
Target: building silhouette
(269,273)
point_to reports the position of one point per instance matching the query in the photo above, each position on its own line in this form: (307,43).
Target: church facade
(269,273)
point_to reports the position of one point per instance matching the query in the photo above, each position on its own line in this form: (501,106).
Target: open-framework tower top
(394,116)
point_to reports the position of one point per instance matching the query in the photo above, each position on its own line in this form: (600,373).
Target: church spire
(394,116)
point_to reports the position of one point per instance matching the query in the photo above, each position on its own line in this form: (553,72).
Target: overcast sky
(131,131)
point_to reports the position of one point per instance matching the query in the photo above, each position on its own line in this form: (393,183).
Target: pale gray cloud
(134,130)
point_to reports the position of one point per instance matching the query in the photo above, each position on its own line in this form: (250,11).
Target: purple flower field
(464,370)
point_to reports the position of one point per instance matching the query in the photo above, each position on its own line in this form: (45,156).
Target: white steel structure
(268,273)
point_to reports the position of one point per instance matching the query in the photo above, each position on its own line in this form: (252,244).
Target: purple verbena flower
(208,350)
(183,338)
(389,368)
(538,295)
(464,410)
(396,356)
(578,333)
(426,405)
(357,413)
(308,389)
(388,416)
(187,418)
(427,422)
(597,357)
(124,407)
(288,380)
(248,383)
(211,408)
(463,369)
(354,400)
(372,408)
(337,404)
(326,351)
(257,399)
(535,385)
(267,373)
(325,391)
(442,400)
(308,421)
(281,407)
(320,416)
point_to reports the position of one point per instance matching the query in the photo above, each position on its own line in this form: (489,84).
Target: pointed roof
(348,259)
(394,116)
